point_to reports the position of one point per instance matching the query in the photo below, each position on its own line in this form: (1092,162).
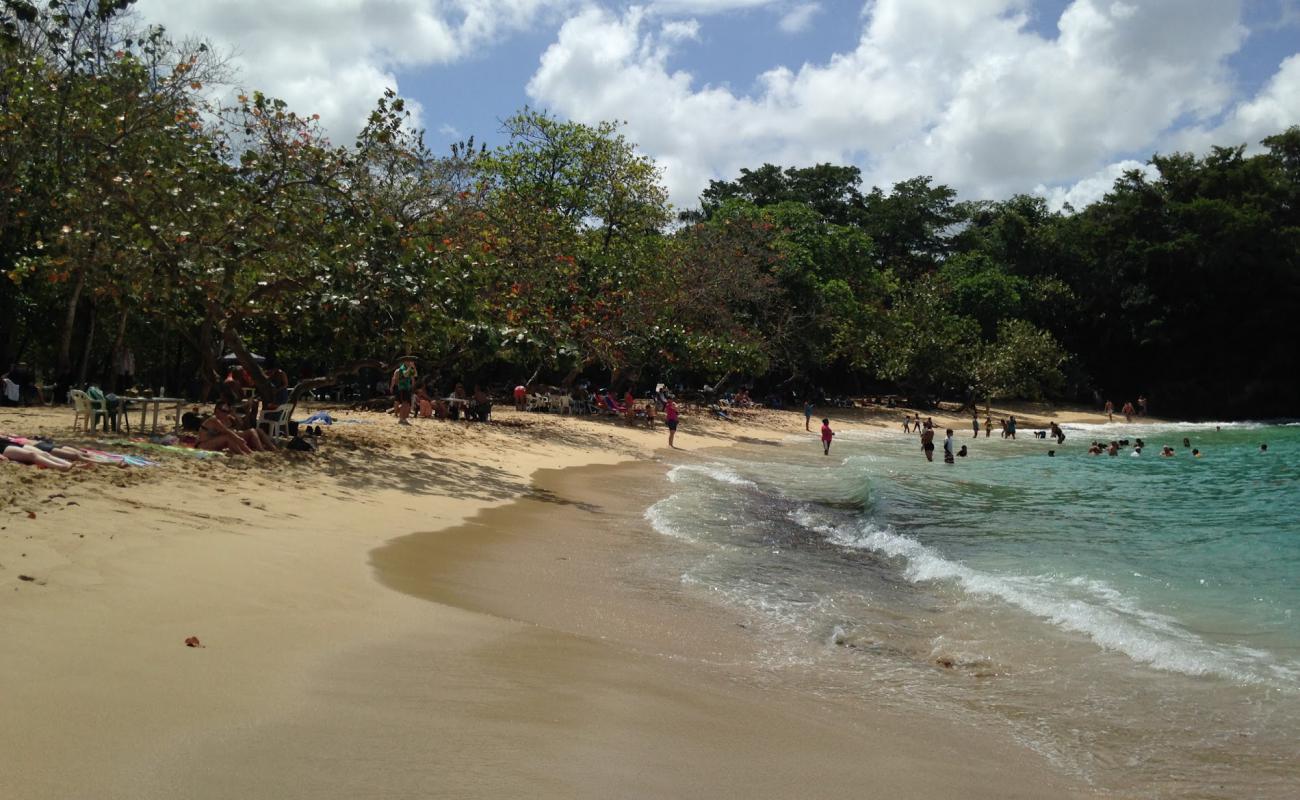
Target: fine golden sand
(444,610)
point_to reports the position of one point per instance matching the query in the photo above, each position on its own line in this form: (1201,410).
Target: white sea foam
(658,516)
(1092,608)
(1141,428)
(717,472)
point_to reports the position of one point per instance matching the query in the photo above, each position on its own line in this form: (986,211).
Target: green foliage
(1022,361)
(135,211)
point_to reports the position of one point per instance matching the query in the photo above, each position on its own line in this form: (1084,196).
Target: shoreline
(532,561)
(266,561)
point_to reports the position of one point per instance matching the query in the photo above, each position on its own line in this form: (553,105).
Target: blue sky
(991,96)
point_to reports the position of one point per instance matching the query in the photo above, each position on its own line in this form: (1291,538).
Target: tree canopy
(140,212)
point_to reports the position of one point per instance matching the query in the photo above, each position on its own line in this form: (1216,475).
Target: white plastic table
(157,403)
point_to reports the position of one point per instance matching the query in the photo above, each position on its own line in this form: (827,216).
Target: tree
(1022,362)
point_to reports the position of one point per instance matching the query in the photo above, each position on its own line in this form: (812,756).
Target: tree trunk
(70,320)
(86,352)
(237,346)
(115,353)
(208,359)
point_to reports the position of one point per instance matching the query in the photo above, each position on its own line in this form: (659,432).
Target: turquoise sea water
(1132,618)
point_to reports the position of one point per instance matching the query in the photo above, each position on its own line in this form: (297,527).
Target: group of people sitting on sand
(582,400)
(410,396)
(225,429)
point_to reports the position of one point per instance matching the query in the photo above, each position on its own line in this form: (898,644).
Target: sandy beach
(439,611)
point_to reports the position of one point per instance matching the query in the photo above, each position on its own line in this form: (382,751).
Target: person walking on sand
(1110,411)
(403,386)
(827,435)
(807,414)
(670,419)
(1142,405)
(927,443)
(947,448)
(1127,411)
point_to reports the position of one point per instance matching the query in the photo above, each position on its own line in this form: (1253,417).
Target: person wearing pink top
(670,419)
(827,435)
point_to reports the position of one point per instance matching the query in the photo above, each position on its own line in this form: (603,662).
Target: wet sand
(522,655)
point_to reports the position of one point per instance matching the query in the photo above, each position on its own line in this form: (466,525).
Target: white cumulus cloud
(967,92)
(336,57)
(799,18)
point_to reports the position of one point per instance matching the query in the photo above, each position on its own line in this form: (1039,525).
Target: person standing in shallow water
(827,435)
(975,426)
(927,443)
(670,419)
(947,448)
(1110,411)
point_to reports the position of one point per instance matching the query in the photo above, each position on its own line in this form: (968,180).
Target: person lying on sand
(11,450)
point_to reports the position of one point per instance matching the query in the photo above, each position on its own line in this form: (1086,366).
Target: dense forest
(141,213)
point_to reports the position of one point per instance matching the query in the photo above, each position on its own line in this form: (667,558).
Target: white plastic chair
(538,402)
(83,410)
(561,403)
(275,422)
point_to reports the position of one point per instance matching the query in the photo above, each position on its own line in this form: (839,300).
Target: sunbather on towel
(11,450)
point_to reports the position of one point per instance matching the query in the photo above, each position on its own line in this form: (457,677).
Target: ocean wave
(658,516)
(717,472)
(1140,427)
(1094,609)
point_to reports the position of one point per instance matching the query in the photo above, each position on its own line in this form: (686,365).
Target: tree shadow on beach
(364,468)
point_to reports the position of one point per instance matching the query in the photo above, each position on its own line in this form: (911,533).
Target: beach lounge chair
(613,405)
